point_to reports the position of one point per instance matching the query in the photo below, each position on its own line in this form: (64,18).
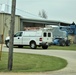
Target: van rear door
(47,37)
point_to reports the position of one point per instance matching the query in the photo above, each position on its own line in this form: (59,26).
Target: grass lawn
(71,47)
(32,63)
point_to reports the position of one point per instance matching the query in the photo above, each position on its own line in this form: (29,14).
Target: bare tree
(43,14)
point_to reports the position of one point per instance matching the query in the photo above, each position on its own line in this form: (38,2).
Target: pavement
(69,55)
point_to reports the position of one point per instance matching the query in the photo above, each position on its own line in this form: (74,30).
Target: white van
(33,38)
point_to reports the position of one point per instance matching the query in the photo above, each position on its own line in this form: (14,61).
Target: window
(44,34)
(49,34)
(18,34)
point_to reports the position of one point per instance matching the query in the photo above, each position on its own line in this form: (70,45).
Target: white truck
(33,38)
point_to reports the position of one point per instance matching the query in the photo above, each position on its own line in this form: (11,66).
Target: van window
(49,34)
(44,35)
(18,34)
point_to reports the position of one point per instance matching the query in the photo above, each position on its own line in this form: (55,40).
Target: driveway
(70,56)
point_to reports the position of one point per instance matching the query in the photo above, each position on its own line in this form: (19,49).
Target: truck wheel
(33,45)
(44,46)
(7,44)
(62,43)
(67,42)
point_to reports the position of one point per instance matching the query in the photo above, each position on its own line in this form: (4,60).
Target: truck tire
(44,46)
(61,42)
(33,45)
(7,43)
(67,42)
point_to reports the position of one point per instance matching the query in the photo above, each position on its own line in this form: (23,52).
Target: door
(47,37)
(18,38)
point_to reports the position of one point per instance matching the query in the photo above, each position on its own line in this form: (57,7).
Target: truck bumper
(45,43)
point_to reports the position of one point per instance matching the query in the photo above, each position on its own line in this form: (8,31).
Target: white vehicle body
(42,37)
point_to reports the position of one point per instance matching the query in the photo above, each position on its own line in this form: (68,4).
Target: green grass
(71,47)
(32,63)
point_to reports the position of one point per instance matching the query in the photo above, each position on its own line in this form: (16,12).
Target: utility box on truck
(33,38)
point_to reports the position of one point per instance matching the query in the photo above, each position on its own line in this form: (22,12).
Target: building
(21,23)
(5,23)
(22,20)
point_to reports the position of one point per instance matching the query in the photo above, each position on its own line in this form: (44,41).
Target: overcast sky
(60,10)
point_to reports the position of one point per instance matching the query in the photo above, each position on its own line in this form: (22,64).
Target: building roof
(45,21)
(42,21)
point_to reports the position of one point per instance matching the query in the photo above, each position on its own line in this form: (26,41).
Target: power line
(26,12)
(23,11)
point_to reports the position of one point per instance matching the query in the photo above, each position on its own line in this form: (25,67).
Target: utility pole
(10,56)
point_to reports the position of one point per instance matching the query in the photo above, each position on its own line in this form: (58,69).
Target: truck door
(50,37)
(47,37)
(18,38)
